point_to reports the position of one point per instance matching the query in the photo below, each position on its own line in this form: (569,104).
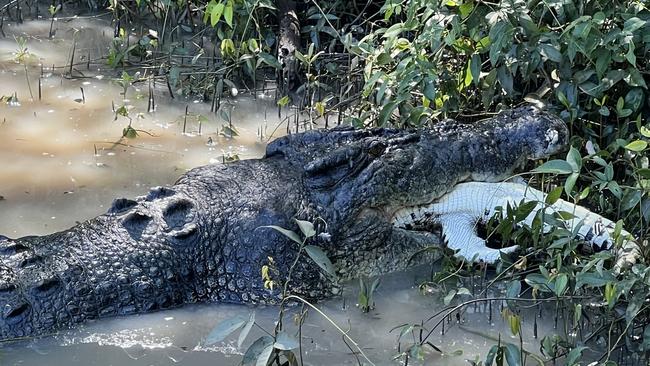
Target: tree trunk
(288,43)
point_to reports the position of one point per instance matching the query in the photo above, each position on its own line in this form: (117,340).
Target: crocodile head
(359,179)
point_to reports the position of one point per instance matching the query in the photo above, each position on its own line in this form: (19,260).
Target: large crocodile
(202,238)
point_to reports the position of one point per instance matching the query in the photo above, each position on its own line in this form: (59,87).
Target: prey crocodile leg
(459,231)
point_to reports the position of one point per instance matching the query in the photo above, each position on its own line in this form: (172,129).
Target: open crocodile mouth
(425,219)
(463,213)
(419,218)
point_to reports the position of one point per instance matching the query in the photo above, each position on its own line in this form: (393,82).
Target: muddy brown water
(62,161)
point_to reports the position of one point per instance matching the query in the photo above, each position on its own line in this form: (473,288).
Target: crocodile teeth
(412,215)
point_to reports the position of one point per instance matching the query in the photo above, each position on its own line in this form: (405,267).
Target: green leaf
(217,10)
(270,60)
(554,167)
(450,296)
(255,350)
(394,30)
(301,57)
(284,101)
(637,146)
(246,329)
(634,99)
(264,356)
(307,228)
(386,112)
(593,279)
(574,159)
(553,196)
(620,103)
(577,314)
(318,255)
(515,324)
(561,282)
(570,183)
(505,79)
(288,233)
(227,13)
(646,337)
(524,209)
(409,327)
(475,68)
(611,78)
(513,291)
(634,78)
(645,131)
(227,47)
(584,193)
(610,294)
(223,329)
(129,132)
(285,342)
(513,356)
(537,280)
(320,108)
(574,355)
(633,24)
(644,173)
(550,52)
(633,309)
(489,359)
(429,89)
(466,8)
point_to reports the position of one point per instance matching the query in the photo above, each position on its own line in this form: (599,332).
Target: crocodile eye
(159,192)
(121,205)
(376,149)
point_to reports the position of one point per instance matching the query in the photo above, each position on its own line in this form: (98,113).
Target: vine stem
(331,321)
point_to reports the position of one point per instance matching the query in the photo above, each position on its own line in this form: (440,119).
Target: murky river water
(62,161)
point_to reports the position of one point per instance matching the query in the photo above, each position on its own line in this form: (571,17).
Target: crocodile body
(203,239)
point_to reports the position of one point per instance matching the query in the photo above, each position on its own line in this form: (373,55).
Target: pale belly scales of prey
(468,203)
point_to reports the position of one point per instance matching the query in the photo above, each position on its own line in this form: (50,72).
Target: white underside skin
(459,211)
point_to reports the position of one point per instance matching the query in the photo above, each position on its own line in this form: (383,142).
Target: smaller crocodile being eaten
(202,239)
(459,211)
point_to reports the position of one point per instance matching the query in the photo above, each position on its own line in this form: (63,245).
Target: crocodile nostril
(6,287)
(26,262)
(13,314)
(13,248)
(47,284)
(136,223)
(178,213)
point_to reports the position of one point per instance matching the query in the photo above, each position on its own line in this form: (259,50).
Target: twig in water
(185,118)
(74,48)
